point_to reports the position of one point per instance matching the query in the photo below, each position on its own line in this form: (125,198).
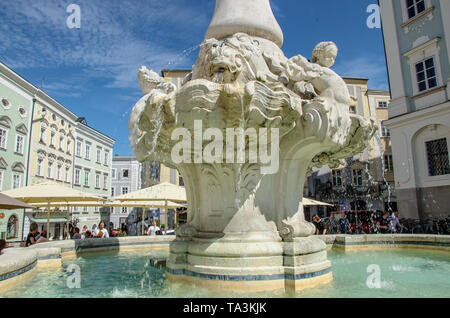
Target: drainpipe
(30,139)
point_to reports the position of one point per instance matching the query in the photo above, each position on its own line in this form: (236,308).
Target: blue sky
(92,70)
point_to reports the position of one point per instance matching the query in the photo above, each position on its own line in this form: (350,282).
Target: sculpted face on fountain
(325,54)
(235,60)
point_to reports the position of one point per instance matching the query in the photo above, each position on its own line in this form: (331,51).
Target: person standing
(95,230)
(384,223)
(396,226)
(344,225)
(77,235)
(3,245)
(152,230)
(320,226)
(31,238)
(102,231)
(332,225)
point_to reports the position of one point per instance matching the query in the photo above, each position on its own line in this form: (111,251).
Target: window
(113,192)
(85,209)
(69,143)
(124,210)
(86,178)
(357,177)
(426,75)
(59,173)
(106,158)
(52,138)
(75,209)
(113,173)
(99,155)
(415,7)
(6,104)
(97,181)
(154,168)
(12,227)
(337,178)
(22,112)
(105,181)
(124,190)
(43,134)
(16,181)
(352,109)
(383,104)
(50,170)
(438,161)
(3,138)
(96,209)
(1,180)
(39,168)
(87,153)
(125,173)
(19,144)
(61,142)
(67,176)
(388,163)
(77,176)
(173,176)
(385,133)
(181,181)
(78,149)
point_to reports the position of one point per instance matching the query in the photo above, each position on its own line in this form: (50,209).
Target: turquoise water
(406,273)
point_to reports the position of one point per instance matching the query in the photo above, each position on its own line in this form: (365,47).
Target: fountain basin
(27,270)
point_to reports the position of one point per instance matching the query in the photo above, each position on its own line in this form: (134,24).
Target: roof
(378,92)
(50,192)
(159,192)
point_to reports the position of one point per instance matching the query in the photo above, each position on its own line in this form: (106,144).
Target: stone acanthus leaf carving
(186,231)
(295,228)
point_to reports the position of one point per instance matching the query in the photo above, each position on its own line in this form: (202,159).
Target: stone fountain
(246,229)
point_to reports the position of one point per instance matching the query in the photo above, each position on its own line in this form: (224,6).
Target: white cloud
(115,39)
(372,68)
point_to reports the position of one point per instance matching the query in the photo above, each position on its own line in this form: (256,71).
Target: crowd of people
(36,237)
(387,223)
(382,224)
(99,231)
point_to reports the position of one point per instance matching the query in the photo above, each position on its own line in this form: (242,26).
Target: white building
(417,44)
(126,178)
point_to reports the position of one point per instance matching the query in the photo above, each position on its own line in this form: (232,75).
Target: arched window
(12,228)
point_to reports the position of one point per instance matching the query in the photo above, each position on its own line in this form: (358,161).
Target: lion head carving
(237,59)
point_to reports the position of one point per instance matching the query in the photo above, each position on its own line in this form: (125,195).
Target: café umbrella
(165,192)
(311,202)
(8,203)
(51,193)
(145,205)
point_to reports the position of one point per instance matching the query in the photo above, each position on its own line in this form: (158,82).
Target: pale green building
(16,108)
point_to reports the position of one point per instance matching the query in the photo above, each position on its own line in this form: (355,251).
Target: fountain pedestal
(244,131)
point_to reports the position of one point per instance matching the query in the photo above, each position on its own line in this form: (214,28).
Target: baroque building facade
(417,44)
(92,171)
(16,107)
(38,144)
(125,178)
